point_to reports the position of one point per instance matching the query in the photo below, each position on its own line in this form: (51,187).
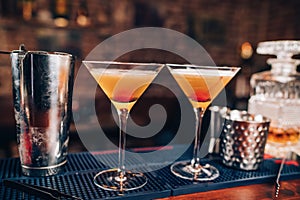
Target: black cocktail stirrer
(39,191)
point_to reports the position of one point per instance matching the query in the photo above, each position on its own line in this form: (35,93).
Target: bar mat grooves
(77,179)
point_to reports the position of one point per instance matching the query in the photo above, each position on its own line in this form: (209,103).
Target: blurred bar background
(228,30)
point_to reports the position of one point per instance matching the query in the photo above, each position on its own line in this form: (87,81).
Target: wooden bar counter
(289,190)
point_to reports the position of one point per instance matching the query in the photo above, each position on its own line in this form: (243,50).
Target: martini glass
(201,84)
(123,83)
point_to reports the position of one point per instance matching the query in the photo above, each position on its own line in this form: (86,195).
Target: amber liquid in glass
(202,88)
(283,135)
(121,87)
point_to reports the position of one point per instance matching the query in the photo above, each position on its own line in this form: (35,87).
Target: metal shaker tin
(42,89)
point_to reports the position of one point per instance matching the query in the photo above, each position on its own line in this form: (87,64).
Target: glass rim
(245,117)
(202,66)
(50,54)
(121,63)
(191,66)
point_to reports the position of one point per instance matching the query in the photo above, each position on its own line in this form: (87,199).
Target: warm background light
(246,50)
(61,22)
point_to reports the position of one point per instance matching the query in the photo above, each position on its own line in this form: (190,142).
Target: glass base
(279,150)
(110,180)
(43,171)
(185,170)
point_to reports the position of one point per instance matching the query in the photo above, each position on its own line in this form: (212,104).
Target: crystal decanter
(276,95)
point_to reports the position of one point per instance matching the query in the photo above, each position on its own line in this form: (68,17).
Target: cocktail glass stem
(195,162)
(193,170)
(123,116)
(118,179)
(196,166)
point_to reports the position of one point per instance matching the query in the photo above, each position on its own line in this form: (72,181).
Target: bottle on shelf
(28,9)
(82,14)
(61,13)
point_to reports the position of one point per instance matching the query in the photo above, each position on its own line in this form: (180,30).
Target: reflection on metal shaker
(215,128)
(42,89)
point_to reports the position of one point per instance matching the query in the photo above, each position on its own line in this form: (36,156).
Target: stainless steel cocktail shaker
(42,92)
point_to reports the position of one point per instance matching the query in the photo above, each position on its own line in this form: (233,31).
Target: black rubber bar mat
(77,179)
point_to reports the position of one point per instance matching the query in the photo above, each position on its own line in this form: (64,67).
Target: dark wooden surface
(289,190)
